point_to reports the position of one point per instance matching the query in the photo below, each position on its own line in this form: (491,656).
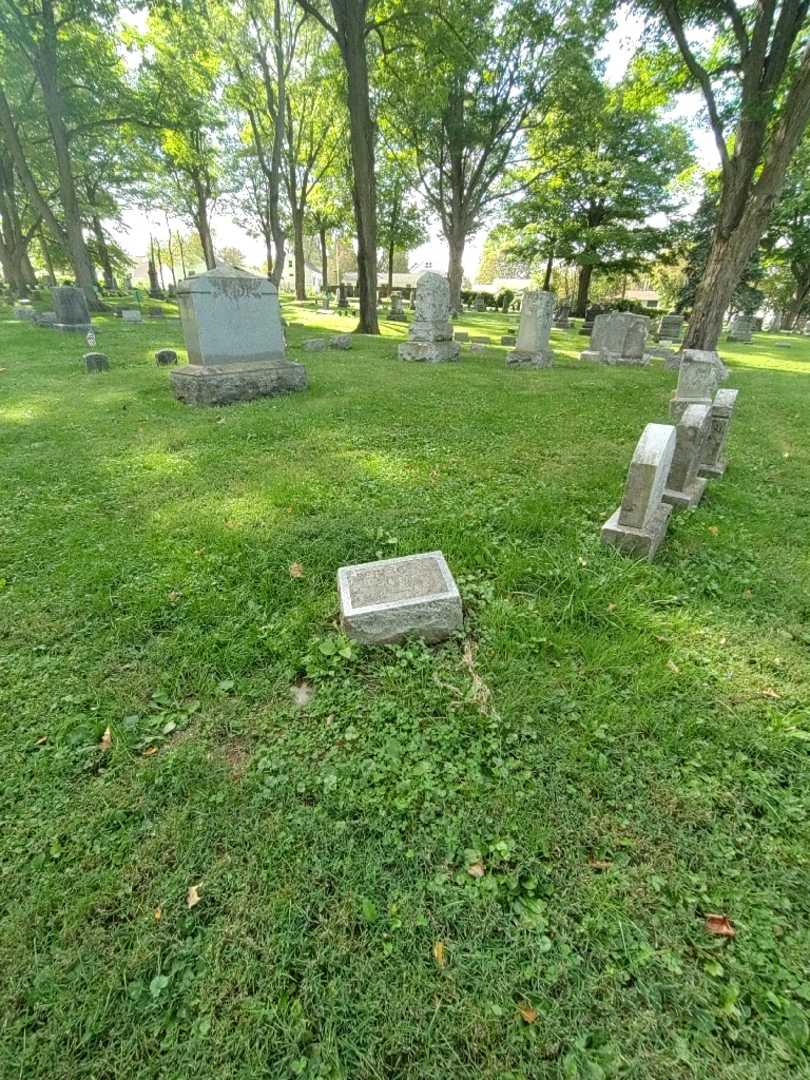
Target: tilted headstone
(232,329)
(741,328)
(70,305)
(531,349)
(396,312)
(387,601)
(131,315)
(619,338)
(640,523)
(714,463)
(670,328)
(430,338)
(96,361)
(685,487)
(165,357)
(699,375)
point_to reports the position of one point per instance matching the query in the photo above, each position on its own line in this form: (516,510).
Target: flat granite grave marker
(699,374)
(392,599)
(640,523)
(430,338)
(531,348)
(685,487)
(70,305)
(131,315)
(619,338)
(232,329)
(714,462)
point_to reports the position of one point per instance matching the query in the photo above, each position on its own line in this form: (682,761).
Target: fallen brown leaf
(611,607)
(769,692)
(599,864)
(41,741)
(720,925)
(713,529)
(193,897)
(673,666)
(438,954)
(149,751)
(527,1013)
(158,913)
(476,870)
(296,570)
(106,740)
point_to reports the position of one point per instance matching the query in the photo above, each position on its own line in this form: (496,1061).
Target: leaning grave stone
(640,523)
(699,374)
(714,462)
(232,329)
(531,348)
(96,361)
(685,486)
(430,338)
(392,599)
(619,338)
(70,305)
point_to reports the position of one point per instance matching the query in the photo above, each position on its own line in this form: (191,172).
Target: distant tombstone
(561,320)
(531,348)
(70,305)
(131,315)
(430,338)
(326,305)
(165,357)
(232,329)
(316,344)
(343,302)
(45,318)
(461,335)
(509,339)
(685,486)
(640,523)
(619,338)
(670,328)
(24,311)
(393,599)
(773,322)
(396,312)
(741,328)
(714,463)
(480,339)
(480,303)
(341,341)
(591,313)
(699,376)
(96,361)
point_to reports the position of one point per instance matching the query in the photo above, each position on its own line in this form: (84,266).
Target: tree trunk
(204,226)
(324,256)
(456,241)
(549,269)
(583,288)
(298,255)
(362,130)
(390,268)
(46,258)
(103,253)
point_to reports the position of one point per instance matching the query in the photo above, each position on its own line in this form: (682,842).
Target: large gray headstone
(234,339)
(531,348)
(619,337)
(70,305)
(640,523)
(741,328)
(699,375)
(430,338)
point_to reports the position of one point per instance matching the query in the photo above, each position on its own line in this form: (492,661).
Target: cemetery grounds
(234,845)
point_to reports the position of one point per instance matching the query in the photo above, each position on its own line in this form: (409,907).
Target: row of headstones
(71,311)
(673,463)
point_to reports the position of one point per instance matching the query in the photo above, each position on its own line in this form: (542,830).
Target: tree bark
(298,255)
(324,256)
(583,288)
(103,253)
(390,268)
(455,273)
(203,225)
(549,269)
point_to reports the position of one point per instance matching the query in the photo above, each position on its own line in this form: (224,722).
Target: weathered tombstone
(342,303)
(476,346)
(640,523)
(70,305)
(670,328)
(531,349)
(699,375)
(24,311)
(685,487)
(741,328)
(714,461)
(341,341)
(508,339)
(619,338)
(232,329)
(165,357)
(480,339)
(326,305)
(561,320)
(45,318)
(131,315)
(461,335)
(316,344)
(96,361)
(387,601)
(430,338)
(480,303)
(397,312)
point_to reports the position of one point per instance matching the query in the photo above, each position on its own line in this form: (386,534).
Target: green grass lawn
(621,747)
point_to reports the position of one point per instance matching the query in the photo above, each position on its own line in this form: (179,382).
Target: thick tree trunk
(455,273)
(549,269)
(203,225)
(46,258)
(299,256)
(268,248)
(324,257)
(390,267)
(103,253)
(583,288)
(352,41)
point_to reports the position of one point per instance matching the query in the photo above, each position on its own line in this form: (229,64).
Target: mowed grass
(621,748)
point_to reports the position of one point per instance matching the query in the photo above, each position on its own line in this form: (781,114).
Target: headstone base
(599,356)
(517,358)
(429,352)
(641,543)
(714,472)
(81,328)
(387,601)
(689,497)
(198,385)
